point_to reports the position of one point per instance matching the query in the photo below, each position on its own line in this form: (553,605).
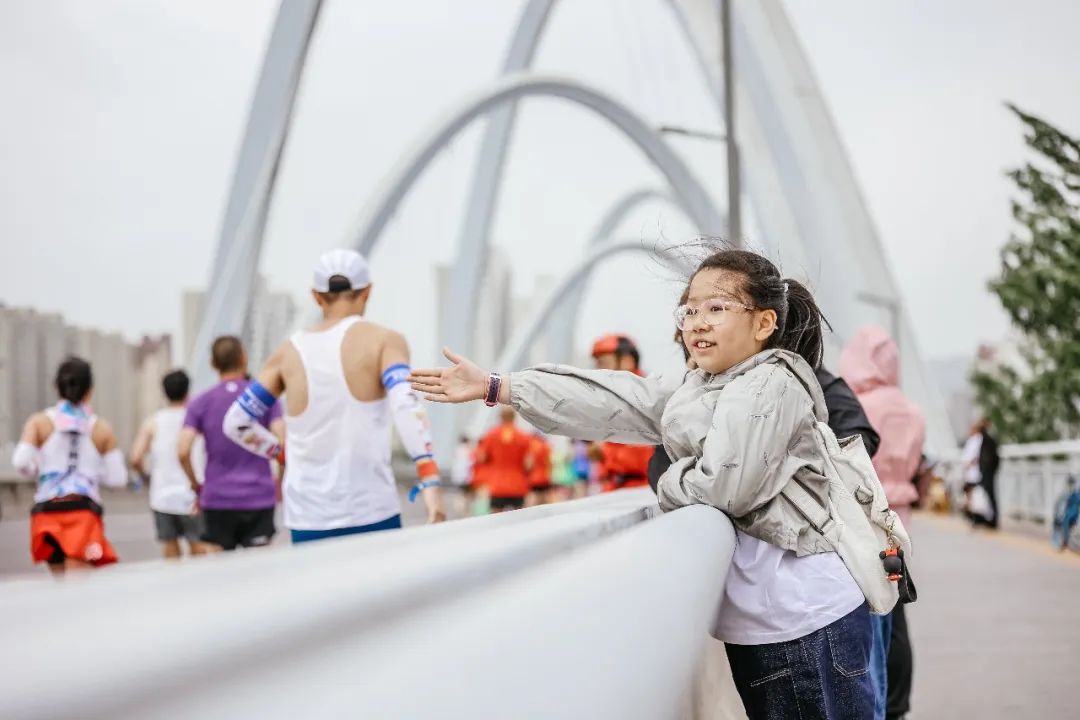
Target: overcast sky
(121,121)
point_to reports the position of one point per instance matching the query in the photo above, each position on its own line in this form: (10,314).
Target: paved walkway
(996,630)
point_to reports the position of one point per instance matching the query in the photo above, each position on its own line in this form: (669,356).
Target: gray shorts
(173,527)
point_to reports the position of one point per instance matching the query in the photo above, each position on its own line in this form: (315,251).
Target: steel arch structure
(797,173)
(513,355)
(566,311)
(690,193)
(685,188)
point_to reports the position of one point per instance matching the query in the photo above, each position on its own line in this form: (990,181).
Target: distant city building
(32,345)
(953,378)
(191,312)
(524,306)
(272,318)
(493,317)
(153,360)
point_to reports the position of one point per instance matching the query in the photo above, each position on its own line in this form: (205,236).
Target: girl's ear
(765,325)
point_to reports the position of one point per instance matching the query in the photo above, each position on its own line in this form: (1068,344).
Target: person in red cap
(621,466)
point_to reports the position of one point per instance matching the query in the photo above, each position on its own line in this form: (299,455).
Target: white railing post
(1032,477)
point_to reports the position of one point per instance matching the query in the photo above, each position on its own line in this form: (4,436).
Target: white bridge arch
(513,355)
(797,175)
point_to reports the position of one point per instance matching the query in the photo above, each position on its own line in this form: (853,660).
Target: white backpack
(858,522)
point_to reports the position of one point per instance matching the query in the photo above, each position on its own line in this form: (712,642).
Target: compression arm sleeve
(242,423)
(411,420)
(116,474)
(26,459)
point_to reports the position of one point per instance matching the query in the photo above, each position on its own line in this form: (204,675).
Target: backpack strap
(815,513)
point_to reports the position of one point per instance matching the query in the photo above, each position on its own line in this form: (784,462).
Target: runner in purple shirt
(240,491)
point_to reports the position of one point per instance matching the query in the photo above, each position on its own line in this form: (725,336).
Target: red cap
(617,344)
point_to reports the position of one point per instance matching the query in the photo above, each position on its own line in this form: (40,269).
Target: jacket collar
(793,361)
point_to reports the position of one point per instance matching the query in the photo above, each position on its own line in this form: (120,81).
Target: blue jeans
(821,676)
(303,536)
(879,662)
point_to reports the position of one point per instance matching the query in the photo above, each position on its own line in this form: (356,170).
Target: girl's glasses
(712,311)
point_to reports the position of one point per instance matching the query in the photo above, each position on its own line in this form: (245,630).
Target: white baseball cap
(347,264)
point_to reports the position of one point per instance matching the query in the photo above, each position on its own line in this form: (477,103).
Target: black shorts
(171,527)
(232,528)
(507,503)
(540,488)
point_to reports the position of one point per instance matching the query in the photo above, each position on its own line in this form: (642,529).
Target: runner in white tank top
(68,462)
(71,453)
(338,470)
(172,500)
(344,382)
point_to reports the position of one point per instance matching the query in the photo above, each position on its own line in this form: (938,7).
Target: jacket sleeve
(596,405)
(846,414)
(761,434)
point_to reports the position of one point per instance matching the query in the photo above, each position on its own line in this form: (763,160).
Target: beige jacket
(736,455)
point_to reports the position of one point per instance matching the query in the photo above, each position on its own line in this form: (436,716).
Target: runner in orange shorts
(72,453)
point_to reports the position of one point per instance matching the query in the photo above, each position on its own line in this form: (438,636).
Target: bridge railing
(593,608)
(1031,477)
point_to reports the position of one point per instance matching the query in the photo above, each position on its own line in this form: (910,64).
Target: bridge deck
(996,631)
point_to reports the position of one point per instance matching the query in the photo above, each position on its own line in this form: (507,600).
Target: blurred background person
(240,491)
(620,466)
(503,453)
(978,507)
(461,476)
(870,364)
(989,462)
(172,499)
(539,471)
(71,452)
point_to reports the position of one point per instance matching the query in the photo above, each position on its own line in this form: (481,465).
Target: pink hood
(870,360)
(870,364)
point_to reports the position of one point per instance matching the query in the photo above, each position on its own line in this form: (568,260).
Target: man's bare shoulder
(377,334)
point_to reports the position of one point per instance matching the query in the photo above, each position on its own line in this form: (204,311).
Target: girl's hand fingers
(427,387)
(425,372)
(452,356)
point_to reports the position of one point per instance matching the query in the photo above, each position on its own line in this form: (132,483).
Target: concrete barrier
(593,608)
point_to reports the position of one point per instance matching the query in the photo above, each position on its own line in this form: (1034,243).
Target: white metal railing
(593,608)
(1031,478)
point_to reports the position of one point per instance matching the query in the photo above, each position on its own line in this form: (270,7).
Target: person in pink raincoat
(870,364)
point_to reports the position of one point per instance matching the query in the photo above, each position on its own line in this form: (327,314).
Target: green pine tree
(1039,287)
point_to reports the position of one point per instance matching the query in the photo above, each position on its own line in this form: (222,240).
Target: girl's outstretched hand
(461,383)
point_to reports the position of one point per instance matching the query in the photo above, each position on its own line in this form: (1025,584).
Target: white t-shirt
(461,470)
(170,491)
(970,459)
(771,595)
